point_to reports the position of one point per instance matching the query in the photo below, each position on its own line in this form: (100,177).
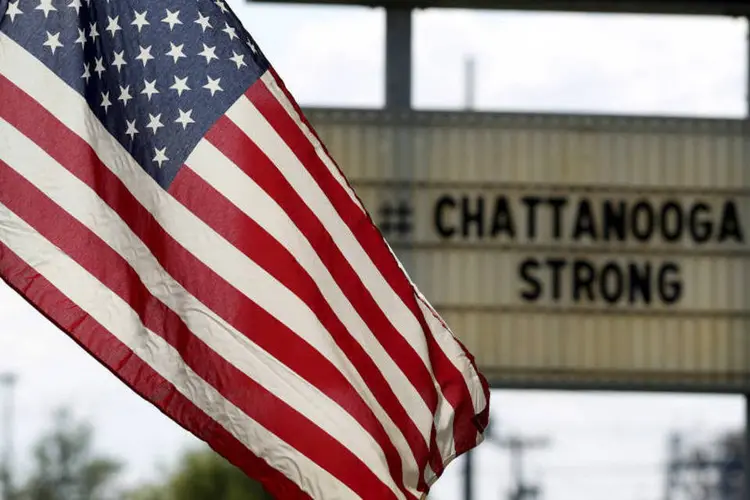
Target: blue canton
(157,73)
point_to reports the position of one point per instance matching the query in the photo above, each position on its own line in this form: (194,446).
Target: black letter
(614,221)
(476,217)
(557,204)
(675,232)
(583,279)
(443,202)
(556,266)
(531,202)
(527,267)
(611,269)
(700,233)
(642,234)
(730,224)
(503,218)
(584,221)
(639,282)
(669,290)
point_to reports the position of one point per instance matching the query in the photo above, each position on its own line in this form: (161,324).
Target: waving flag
(165,203)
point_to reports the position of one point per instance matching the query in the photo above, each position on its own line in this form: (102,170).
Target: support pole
(398,55)
(746,452)
(469,476)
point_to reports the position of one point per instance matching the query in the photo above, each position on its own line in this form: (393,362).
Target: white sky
(603,446)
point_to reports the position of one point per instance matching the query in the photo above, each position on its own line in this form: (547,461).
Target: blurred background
(569,190)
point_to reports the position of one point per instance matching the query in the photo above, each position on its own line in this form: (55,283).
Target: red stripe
(449,377)
(235,145)
(94,255)
(68,149)
(251,239)
(136,374)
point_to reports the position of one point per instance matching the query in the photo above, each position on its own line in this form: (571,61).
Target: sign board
(566,251)
(704,7)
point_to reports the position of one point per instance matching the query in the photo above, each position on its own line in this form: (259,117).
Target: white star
(154,122)
(113,25)
(140,19)
(105,101)
(145,55)
(208,52)
(81,37)
(176,51)
(149,88)
(213,85)
(161,156)
(125,95)
(86,72)
(46,6)
(252,46)
(185,118)
(238,59)
(221,5)
(93,33)
(13,10)
(53,41)
(131,130)
(75,4)
(119,60)
(172,19)
(204,21)
(99,66)
(229,31)
(180,85)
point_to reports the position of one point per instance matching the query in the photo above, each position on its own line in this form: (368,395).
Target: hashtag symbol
(395,219)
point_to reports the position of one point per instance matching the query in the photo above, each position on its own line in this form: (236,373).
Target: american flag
(166,204)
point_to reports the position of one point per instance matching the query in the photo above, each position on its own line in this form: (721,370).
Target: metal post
(7,381)
(469,476)
(746,452)
(469,83)
(398,54)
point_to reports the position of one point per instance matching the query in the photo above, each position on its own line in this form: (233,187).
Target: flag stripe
(293,110)
(252,389)
(26,113)
(255,242)
(285,124)
(452,382)
(242,152)
(109,310)
(231,163)
(136,373)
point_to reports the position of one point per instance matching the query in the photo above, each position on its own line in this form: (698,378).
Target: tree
(204,475)
(65,467)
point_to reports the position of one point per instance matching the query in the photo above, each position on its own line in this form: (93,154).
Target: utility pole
(518,446)
(469,83)
(7,381)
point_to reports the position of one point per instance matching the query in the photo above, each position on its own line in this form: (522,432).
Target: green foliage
(65,467)
(204,475)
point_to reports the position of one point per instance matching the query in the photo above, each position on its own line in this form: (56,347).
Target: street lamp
(7,381)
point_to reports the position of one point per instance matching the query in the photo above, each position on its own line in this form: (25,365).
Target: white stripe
(275,89)
(70,108)
(76,198)
(446,343)
(114,314)
(250,120)
(229,180)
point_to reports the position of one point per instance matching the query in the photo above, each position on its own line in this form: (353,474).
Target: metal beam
(398,58)
(739,8)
